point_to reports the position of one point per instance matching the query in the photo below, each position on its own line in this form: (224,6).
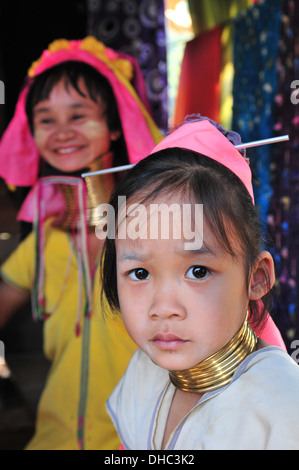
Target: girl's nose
(166,304)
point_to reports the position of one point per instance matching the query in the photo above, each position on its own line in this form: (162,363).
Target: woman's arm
(11,299)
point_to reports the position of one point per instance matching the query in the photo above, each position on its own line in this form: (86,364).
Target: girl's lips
(67,150)
(168,341)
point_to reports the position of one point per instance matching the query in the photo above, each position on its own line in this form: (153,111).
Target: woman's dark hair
(227,207)
(97,86)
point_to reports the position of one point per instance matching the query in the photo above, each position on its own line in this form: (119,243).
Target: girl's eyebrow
(202,251)
(129,256)
(132,256)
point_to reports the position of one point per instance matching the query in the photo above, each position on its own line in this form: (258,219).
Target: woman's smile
(68,149)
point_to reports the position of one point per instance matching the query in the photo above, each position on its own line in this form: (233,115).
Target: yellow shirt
(86,367)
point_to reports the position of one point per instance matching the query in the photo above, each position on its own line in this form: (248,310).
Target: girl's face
(71,130)
(178,305)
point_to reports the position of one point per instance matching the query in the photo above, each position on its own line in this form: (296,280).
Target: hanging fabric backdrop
(137,28)
(265,60)
(256,37)
(283,218)
(261,53)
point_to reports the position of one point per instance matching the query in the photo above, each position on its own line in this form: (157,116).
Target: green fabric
(207,14)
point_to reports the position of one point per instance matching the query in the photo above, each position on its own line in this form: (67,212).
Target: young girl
(202,377)
(79,110)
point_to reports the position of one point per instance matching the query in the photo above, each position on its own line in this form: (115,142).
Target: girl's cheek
(40,137)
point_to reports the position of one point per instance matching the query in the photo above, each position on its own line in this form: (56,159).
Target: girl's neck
(217,370)
(184,400)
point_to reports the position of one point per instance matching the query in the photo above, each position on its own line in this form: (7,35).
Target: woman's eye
(139,274)
(78,116)
(197,272)
(46,121)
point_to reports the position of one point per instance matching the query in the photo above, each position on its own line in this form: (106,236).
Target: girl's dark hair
(227,207)
(97,86)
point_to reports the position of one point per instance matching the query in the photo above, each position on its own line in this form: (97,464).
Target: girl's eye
(78,116)
(197,272)
(139,274)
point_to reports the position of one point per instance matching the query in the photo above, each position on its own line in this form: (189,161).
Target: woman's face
(179,305)
(71,130)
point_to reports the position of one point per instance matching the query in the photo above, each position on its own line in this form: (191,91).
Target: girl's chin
(170,361)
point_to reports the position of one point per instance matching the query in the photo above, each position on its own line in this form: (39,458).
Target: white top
(257,410)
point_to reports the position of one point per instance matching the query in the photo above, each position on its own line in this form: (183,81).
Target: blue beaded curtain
(283,218)
(266,60)
(137,28)
(256,36)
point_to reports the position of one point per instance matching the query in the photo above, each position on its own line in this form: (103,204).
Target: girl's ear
(262,276)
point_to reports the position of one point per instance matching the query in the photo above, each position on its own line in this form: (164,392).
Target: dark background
(26,29)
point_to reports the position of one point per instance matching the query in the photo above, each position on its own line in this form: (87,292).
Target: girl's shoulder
(132,402)
(270,360)
(143,374)
(265,390)
(269,372)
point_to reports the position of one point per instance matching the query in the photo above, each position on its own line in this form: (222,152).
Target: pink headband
(19,156)
(203,137)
